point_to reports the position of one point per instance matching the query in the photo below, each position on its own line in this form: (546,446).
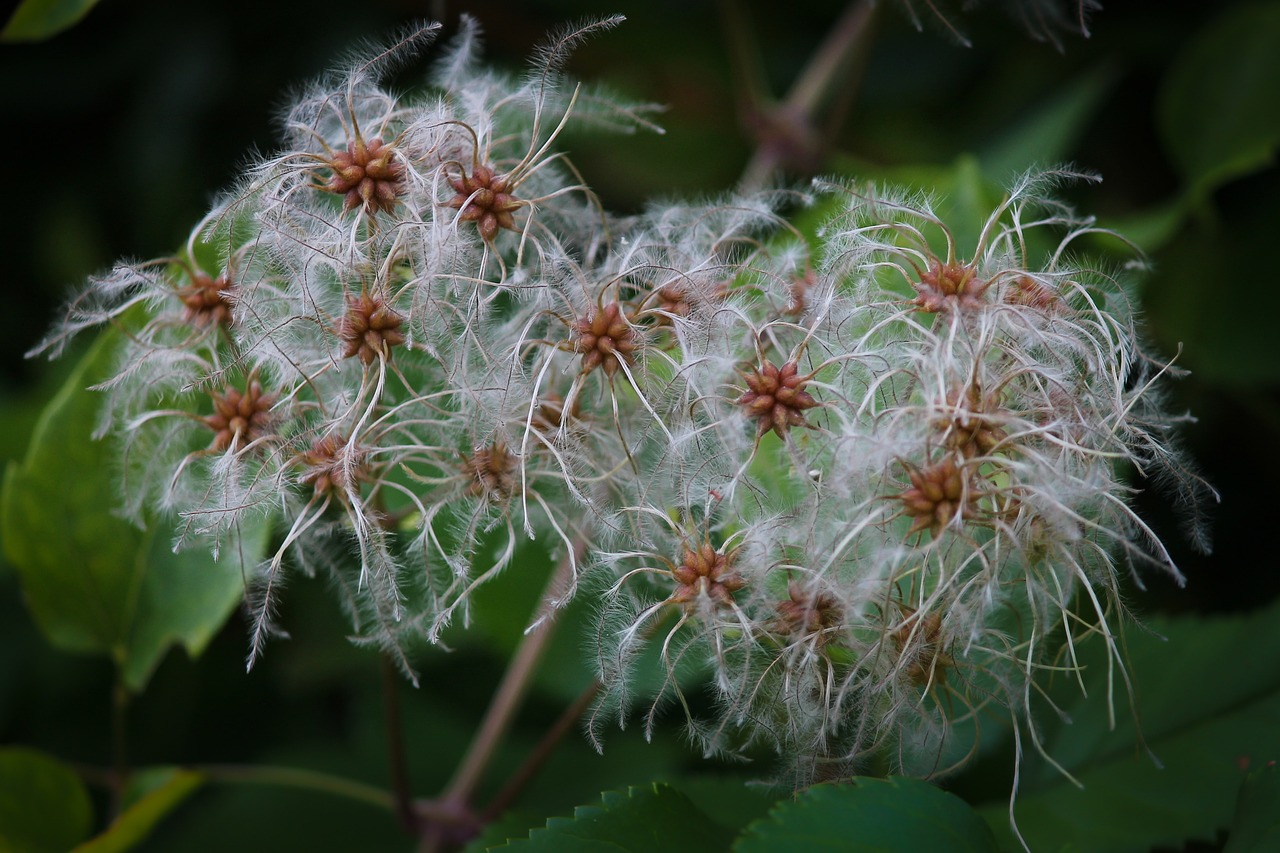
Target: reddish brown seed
(207,300)
(605,339)
(369,328)
(776,398)
(239,417)
(485,198)
(949,286)
(703,571)
(366,175)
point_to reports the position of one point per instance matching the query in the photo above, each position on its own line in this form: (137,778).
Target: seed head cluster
(865,483)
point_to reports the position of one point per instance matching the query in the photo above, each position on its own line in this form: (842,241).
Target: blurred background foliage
(123,128)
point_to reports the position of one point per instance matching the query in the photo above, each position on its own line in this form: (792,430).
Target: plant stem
(397,755)
(292,777)
(119,742)
(786,129)
(533,763)
(515,682)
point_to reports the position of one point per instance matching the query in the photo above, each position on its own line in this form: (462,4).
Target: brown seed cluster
(939,494)
(367,175)
(704,571)
(206,300)
(671,300)
(486,199)
(605,339)
(332,468)
(808,614)
(776,397)
(491,472)
(239,417)
(949,286)
(971,431)
(369,329)
(920,646)
(1033,294)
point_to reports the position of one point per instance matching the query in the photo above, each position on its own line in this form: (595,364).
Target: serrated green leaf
(94,582)
(44,807)
(1219,109)
(883,815)
(729,801)
(1206,711)
(1257,822)
(165,790)
(35,20)
(643,819)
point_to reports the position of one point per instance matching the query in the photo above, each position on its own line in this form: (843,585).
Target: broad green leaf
(643,819)
(35,20)
(94,582)
(729,801)
(1219,109)
(1209,700)
(1049,134)
(883,815)
(184,598)
(1257,822)
(163,791)
(44,807)
(1203,282)
(78,562)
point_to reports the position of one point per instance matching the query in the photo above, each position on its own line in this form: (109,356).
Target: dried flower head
(240,417)
(367,175)
(369,329)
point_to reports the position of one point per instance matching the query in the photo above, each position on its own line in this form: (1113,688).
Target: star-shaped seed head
(366,175)
(239,417)
(704,571)
(332,467)
(939,494)
(369,328)
(776,397)
(491,471)
(605,339)
(206,300)
(485,198)
(949,286)
(808,614)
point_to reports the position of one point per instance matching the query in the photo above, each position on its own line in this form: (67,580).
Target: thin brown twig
(456,798)
(519,780)
(787,129)
(397,754)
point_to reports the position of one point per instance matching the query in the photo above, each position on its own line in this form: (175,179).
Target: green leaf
(882,815)
(184,598)
(35,20)
(1257,822)
(1219,109)
(78,563)
(43,804)
(1206,278)
(1049,134)
(643,819)
(158,792)
(94,582)
(730,801)
(1209,698)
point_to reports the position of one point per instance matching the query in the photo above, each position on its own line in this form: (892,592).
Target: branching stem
(786,130)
